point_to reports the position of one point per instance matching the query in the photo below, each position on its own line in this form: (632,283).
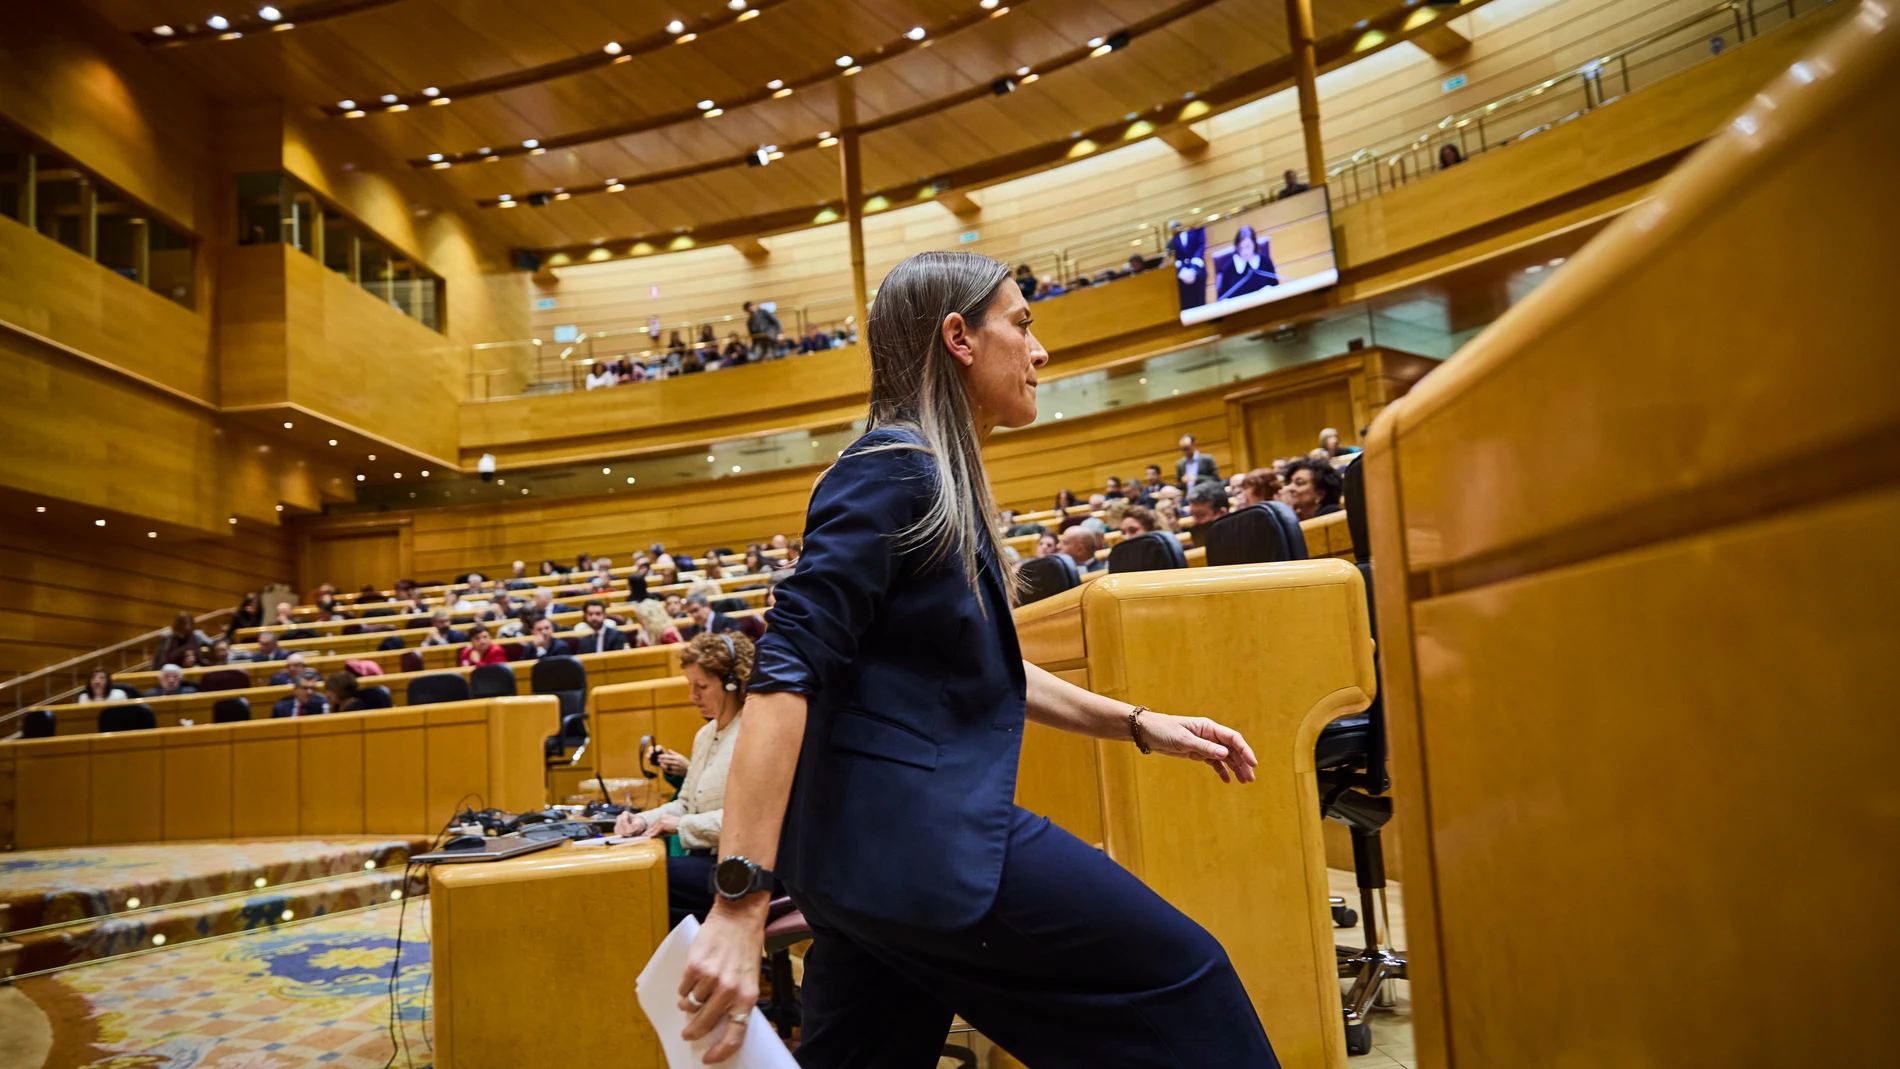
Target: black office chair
(230,710)
(1350,755)
(492,681)
(137,717)
(225,679)
(437,688)
(39,724)
(1257,534)
(410,661)
(296,633)
(377,697)
(390,642)
(566,679)
(1045,577)
(1017,530)
(367,613)
(1154,551)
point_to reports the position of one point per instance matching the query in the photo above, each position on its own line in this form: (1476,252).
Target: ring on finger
(693,1000)
(739,1017)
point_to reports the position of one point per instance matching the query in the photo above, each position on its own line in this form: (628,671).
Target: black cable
(398,1037)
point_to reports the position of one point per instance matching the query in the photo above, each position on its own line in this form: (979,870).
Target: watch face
(732,877)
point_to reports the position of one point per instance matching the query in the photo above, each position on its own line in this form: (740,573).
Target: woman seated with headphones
(716,668)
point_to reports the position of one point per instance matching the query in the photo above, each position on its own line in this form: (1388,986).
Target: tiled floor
(1391,1028)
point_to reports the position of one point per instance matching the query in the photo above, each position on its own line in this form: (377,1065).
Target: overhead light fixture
(530,143)
(785,92)
(612,48)
(435,157)
(563,196)
(629,480)
(399,475)
(102,523)
(1030,77)
(851,70)
(1022,72)
(162,31)
(709,460)
(616,187)
(287,424)
(359,478)
(736,5)
(333,441)
(917,33)
(760,156)
(399,107)
(987,5)
(154,534)
(438,101)
(355,113)
(432,91)
(389,98)
(232,36)
(752,14)
(40,508)
(372,456)
(218,22)
(346,105)
(425,473)
(705,105)
(684,38)
(1096,42)
(844,61)
(1003,86)
(269,14)
(826,141)
(284,26)
(676,26)
(504,198)
(776,83)
(715,113)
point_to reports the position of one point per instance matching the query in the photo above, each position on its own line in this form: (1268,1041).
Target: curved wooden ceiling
(404,46)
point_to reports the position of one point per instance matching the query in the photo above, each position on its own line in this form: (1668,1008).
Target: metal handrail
(15,689)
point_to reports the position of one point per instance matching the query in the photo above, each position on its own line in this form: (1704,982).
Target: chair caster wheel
(1344,917)
(1358,1038)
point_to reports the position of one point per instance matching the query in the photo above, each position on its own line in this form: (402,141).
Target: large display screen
(1255,257)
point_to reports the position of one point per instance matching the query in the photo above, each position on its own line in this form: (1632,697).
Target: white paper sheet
(658,992)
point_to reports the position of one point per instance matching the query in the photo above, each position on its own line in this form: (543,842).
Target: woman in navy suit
(877,771)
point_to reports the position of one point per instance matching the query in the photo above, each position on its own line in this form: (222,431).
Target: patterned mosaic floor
(313,993)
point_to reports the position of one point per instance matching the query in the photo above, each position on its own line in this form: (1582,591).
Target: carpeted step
(148,929)
(70,885)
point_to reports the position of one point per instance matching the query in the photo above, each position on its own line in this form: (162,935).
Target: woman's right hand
(722,973)
(629,824)
(670,761)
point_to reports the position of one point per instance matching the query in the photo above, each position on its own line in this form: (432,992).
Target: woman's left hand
(664,824)
(1200,739)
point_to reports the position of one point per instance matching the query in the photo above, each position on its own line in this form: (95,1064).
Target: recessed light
(399,107)
(1020,71)
(606,471)
(158,940)
(827,141)
(531,143)
(438,100)
(346,105)
(354,113)
(1027,78)
(844,61)
(435,157)
(1144,380)
(715,113)
(776,83)
(1533,269)
(280,508)
(217,22)
(359,478)
(425,473)
(629,480)
(616,187)
(537,151)
(269,14)
(372,456)
(736,5)
(1558,262)
(735,469)
(986,4)
(102,523)
(612,48)
(785,92)
(39,508)
(563,196)
(287,914)
(162,31)
(752,14)
(676,26)
(234,519)
(916,33)
(284,26)
(501,482)
(524,490)
(1058,415)
(705,105)
(432,91)
(505,198)
(389,98)
(685,38)
(851,70)
(333,441)
(709,460)
(399,475)
(288,424)
(154,534)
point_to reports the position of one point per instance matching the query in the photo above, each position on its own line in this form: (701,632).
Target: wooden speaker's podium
(1273,650)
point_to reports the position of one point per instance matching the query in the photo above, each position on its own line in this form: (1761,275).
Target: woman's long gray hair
(916,383)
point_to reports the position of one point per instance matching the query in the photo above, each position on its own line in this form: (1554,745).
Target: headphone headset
(732,654)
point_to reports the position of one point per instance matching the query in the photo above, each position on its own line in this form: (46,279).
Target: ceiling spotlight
(346,105)
(399,107)
(389,98)
(1003,86)
(563,195)
(333,441)
(438,101)
(715,113)
(685,38)
(154,534)
(785,92)
(162,31)
(287,424)
(1100,50)
(776,83)
(851,70)
(736,5)
(760,156)
(1095,42)
(372,456)
(705,105)
(629,480)
(916,33)
(399,475)
(1027,78)
(217,22)
(752,14)
(354,113)
(709,460)
(435,157)
(987,5)
(612,48)
(359,478)
(616,187)
(844,61)
(530,143)
(41,508)
(735,469)
(1021,71)
(826,141)
(432,91)
(269,14)
(676,26)
(102,523)
(425,473)
(234,520)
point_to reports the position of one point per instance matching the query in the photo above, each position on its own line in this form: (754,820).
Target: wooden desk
(506,936)
(1274,650)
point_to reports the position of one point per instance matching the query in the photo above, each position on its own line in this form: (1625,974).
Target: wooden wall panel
(349,561)
(197,798)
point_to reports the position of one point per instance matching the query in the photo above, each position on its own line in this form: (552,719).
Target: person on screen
(1189,248)
(1249,269)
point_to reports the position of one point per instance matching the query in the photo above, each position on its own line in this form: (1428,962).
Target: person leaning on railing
(183,635)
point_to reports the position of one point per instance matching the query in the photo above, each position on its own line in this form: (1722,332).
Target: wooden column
(29,190)
(88,219)
(853,179)
(142,251)
(1299,30)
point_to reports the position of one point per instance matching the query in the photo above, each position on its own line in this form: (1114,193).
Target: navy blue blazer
(906,784)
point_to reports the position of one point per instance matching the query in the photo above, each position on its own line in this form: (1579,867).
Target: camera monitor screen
(1254,257)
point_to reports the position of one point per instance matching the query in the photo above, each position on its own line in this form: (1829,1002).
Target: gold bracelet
(1134,728)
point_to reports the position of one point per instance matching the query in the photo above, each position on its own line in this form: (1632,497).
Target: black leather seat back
(492,681)
(127,718)
(377,697)
(434,689)
(231,710)
(390,642)
(1044,577)
(40,724)
(1151,552)
(1258,534)
(565,678)
(225,679)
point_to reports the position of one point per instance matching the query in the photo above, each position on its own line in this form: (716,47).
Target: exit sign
(1456,81)
(967,236)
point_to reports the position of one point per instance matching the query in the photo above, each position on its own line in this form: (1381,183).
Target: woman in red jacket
(481,649)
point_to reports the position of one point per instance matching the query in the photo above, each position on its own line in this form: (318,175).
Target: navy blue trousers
(1077,963)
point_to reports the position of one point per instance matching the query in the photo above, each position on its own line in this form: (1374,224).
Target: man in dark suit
(705,620)
(306,700)
(442,633)
(294,666)
(604,636)
(544,644)
(1194,465)
(1189,249)
(171,683)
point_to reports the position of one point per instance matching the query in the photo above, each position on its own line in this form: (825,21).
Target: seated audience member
(1207,502)
(305,700)
(542,643)
(1138,521)
(285,616)
(1279,467)
(340,689)
(1064,500)
(1150,482)
(189,658)
(481,649)
(267,648)
(1046,545)
(654,626)
(1113,490)
(1257,487)
(756,562)
(100,688)
(602,636)
(1329,438)
(1312,488)
(548,567)
(675,605)
(218,653)
(779,541)
(520,580)
(1293,185)
(1449,156)
(294,665)
(599,375)
(814,341)
(735,352)
(184,635)
(327,610)
(1079,545)
(709,662)
(1166,512)
(250,613)
(692,363)
(1026,281)
(583,562)
(541,602)
(705,620)
(712,568)
(440,633)
(472,597)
